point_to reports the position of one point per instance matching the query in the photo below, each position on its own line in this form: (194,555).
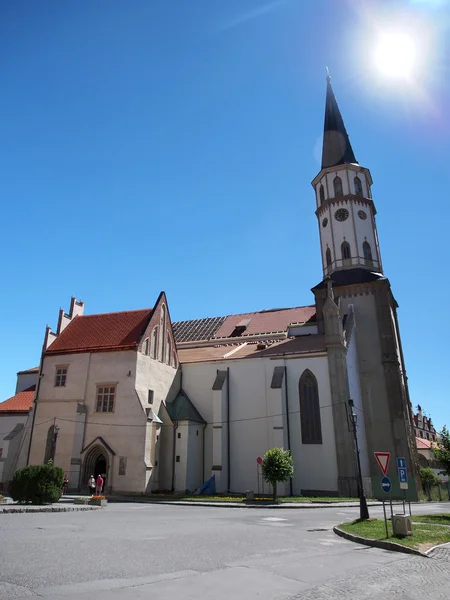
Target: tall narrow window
(321,194)
(337,184)
(168,350)
(367,250)
(346,253)
(150,396)
(145,347)
(328,257)
(358,186)
(163,333)
(309,409)
(154,345)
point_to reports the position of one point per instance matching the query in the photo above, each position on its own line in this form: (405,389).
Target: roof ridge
(117,312)
(254,312)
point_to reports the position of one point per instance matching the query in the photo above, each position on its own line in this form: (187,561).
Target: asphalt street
(148,550)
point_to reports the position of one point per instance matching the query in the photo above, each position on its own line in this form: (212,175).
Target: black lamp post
(363,510)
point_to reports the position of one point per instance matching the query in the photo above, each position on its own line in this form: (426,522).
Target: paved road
(139,550)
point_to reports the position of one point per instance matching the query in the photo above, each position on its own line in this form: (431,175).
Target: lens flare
(395,54)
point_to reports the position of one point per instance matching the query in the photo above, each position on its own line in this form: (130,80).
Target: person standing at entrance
(99,485)
(91,485)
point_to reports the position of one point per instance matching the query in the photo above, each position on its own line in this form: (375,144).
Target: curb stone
(45,509)
(385,545)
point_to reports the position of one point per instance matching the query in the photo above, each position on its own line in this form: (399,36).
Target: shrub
(38,484)
(277,466)
(428,476)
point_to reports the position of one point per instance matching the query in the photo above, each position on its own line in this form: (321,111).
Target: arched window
(358,186)
(346,253)
(154,346)
(337,184)
(163,333)
(367,251)
(328,257)
(322,194)
(49,444)
(168,350)
(309,409)
(145,347)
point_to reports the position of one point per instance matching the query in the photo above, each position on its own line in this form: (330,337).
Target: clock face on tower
(362,215)
(341,214)
(325,222)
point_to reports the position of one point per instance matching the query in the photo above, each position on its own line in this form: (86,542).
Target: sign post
(383,459)
(403,479)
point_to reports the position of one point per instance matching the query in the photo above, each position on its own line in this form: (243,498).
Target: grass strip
(424,536)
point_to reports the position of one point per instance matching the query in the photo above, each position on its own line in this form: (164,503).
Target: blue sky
(171,144)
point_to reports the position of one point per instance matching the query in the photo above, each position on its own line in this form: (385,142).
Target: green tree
(442,451)
(277,466)
(38,484)
(428,477)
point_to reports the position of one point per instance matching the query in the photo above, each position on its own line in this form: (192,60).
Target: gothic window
(346,253)
(367,250)
(163,333)
(337,184)
(154,345)
(168,350)
(49,444)
(322,194)
(145,347)
(328,257)
(358,186)
(309,409)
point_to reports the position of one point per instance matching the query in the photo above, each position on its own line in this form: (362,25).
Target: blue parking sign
(401,463)
(403,478)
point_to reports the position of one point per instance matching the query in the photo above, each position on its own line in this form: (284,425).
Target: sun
(395,54)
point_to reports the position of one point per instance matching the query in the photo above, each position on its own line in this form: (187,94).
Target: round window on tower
(362,215)
(325,222)
(341,214)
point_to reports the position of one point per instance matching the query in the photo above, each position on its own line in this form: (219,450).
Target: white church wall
(254,412)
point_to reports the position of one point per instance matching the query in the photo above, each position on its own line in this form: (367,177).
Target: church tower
(357,312)
(345,209)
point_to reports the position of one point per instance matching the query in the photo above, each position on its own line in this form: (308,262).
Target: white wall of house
(10,449)
(256,416)
(25,380)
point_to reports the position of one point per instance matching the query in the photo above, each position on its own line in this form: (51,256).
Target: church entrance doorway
(96,463)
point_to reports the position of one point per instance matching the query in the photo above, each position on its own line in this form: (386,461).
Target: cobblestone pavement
(136,552)
(415,578)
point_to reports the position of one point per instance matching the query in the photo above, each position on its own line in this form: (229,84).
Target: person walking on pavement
(99,485)
(91,485)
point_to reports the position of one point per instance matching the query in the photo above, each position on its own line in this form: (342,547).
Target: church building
(157,405)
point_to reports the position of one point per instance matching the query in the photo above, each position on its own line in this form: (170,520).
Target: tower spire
(337,149)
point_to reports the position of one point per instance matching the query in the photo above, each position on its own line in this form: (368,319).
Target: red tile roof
(422,444)
(266,321)
(21,402)
(109,331)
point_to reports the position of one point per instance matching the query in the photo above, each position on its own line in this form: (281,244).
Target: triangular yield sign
(383,460)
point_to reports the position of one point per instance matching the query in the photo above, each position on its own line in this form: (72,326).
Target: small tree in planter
(277,466)
(38,484)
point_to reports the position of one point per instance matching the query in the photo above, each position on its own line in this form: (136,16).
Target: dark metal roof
(350,277)
(182,409)
(197,329)
(337,149)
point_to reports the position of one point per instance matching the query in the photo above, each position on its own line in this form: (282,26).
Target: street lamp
(363,510)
